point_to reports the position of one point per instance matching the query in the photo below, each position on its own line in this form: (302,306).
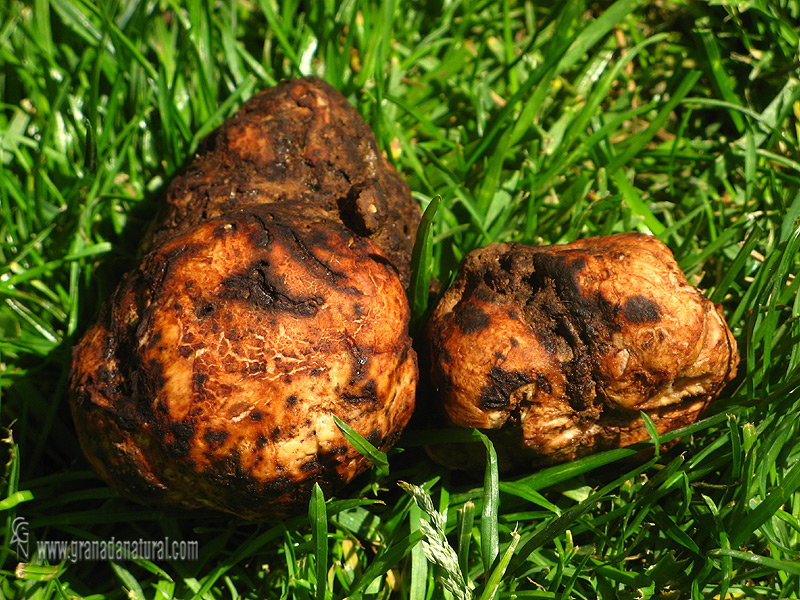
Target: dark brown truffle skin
(560,347)
(299,143)
(213,374)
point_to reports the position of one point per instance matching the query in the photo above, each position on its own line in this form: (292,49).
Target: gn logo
(19,537)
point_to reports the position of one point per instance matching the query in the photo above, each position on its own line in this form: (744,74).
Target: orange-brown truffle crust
(562,346)
(301,145)
(212,375)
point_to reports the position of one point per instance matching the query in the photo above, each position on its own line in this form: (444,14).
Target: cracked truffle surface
(560,347)
(211,378)
(302,145)
(270,298)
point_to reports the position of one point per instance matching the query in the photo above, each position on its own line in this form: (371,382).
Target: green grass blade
(386,560)
(493,583)
(133,588)
(375,456)
(720,78)
(491,504)
(435,546)
(419,563)
(640,140)
(653,432)
(16,499)
(422,262)
(466,519)
(776,565)
(34,572)
(764,511)
(318,519)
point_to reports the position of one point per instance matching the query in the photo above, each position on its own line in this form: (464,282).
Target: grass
(538,122)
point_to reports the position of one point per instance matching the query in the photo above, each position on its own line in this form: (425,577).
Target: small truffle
(560,347)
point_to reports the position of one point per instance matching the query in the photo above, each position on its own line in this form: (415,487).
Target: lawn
(537,122)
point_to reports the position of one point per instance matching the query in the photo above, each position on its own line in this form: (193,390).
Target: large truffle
(212,376)
(270,298)
(560,347)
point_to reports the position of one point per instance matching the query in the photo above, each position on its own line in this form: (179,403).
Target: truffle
(560,347)
(270,297)
(212,377)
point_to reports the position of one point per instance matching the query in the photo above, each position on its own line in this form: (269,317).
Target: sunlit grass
(539,122)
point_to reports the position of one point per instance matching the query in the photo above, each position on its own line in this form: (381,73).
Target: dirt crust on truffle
(560,347)
(212,376)
(302,145)
(269,299)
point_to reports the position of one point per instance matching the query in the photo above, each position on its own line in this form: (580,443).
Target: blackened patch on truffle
(182,433)
(312,465)
(204,309)
(279,485)
(501,384)
(543,383)
(260,287)
(215,437)
(260,236)
(444,353)
(104,375)
(198,380)
(484,293)
(155,372)
(227,473)
(350,214)
(472,319)
(638,309)
(360,360)
(375,436)
(369,393)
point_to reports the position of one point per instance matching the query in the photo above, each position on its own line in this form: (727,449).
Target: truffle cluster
(271,298)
